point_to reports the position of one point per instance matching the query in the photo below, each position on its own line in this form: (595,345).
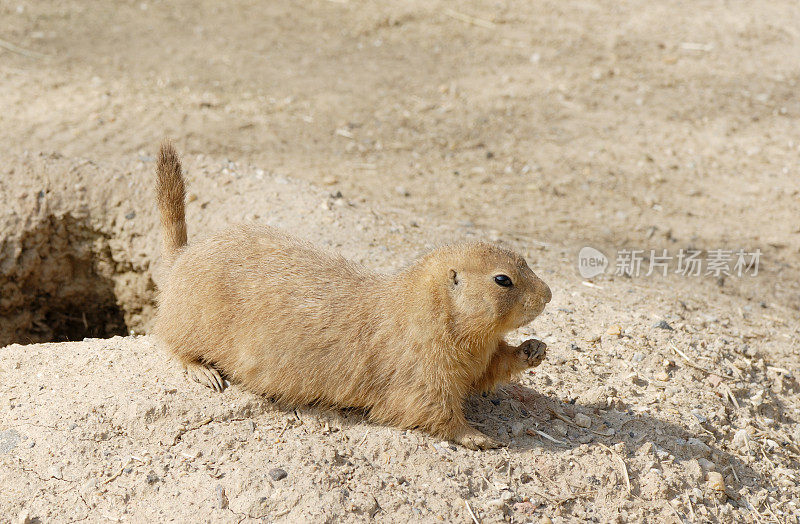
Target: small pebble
(694,470)
(8,440)
(740,439)
(716,485)
(89,486)
(583,420)
(614,331)
(706,464)
(517,428)
(698,448)
(448,445)
(559,428)
(277,474)
(526,508)
(496,504)
(152,478)
(222,498)
(662,324)
(24,517)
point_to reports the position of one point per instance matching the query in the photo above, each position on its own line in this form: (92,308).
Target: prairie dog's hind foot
(204,374)
(532,352)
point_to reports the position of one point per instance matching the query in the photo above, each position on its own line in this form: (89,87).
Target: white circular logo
(591,262)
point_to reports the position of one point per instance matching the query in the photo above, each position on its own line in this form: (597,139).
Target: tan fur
(289,320)
(170,196)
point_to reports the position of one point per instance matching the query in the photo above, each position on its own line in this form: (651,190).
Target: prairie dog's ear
(453,277)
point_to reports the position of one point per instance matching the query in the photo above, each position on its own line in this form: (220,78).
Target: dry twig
(8,46)
(480,22)
(622,463)
(545,435)
(729,394)
(692,364)
(471,513)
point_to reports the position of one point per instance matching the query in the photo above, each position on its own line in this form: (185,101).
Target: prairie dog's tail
(170,195)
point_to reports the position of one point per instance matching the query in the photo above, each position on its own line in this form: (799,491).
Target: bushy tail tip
(170,196)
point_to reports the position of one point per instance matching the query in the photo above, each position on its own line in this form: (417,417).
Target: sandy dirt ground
(382,130)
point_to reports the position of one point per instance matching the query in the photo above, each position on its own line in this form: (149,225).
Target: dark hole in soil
(59,285)
(95,316)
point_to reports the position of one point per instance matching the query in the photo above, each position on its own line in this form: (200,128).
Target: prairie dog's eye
(503,280)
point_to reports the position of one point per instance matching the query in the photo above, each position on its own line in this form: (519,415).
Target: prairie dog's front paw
(532,351)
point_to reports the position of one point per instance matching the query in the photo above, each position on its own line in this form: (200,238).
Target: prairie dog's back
(301,307)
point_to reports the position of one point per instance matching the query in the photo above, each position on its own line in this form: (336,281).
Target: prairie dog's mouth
(531,314)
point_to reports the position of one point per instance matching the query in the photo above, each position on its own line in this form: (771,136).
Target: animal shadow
(551,424)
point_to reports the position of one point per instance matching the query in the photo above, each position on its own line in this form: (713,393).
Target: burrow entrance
(59,282)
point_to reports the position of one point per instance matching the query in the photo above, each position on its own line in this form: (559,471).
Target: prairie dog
(294,322)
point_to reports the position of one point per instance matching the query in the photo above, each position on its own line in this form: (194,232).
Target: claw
(205,375)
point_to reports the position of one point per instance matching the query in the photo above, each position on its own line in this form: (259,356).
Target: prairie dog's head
(491,287)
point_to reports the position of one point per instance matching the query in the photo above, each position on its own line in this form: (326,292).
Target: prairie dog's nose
(548,295)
